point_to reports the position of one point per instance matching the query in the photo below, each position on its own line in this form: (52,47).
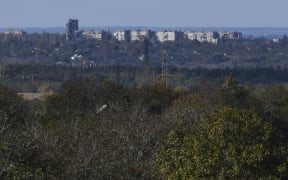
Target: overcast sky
(158,13)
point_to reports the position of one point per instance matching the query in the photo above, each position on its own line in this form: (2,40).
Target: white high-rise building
(166,36)
(140,35)
(211,37)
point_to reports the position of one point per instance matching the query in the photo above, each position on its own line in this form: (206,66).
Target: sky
(150,13)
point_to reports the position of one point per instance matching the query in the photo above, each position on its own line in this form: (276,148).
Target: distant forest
(51,49)
(31,78)
(32,59)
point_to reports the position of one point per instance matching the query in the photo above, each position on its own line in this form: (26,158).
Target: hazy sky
(159,13)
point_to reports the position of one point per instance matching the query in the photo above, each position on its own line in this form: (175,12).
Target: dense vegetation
(91,129)
(51,49)
(32,78)
(105,115)
(29,61)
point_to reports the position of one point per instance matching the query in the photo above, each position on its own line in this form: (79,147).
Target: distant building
(72,29)
(169,36)
(72,33)
(166,36)
(123,35)
(211,37)
(275,40)
(140,35)
(230,35)
(14,34)
(98,35)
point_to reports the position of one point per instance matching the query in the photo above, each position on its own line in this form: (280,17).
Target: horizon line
(133,26)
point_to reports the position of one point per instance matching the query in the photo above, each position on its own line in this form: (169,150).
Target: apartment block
(97,35)
(122,35)
(72,29)
(169,36)
(211,37)
(15,33)
(230,35)
(140,35)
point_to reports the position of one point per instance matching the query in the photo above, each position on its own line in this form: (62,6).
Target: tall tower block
(72,29)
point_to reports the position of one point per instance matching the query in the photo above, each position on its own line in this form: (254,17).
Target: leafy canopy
(229,143)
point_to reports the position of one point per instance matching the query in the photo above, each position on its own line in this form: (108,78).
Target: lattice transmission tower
(165,75)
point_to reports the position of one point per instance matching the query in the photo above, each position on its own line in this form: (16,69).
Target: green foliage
(12,110)
(230,143)
(187,110)
(19,148)
(30,78)
(118,142)
(236,95)
(195,135)
(86,147)
(156,98)
(88,96)
(20,156)
(67,137)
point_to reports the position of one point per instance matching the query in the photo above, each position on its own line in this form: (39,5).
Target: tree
(229,144)
(235,95)
(18,147)
(12,110)
(87,96)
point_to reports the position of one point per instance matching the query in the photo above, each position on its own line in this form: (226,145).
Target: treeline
(51,49)
(92,129)
(31,78)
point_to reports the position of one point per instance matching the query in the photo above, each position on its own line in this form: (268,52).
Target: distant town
(73,33)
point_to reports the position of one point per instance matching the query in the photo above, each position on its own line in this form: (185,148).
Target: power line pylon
(165,69)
